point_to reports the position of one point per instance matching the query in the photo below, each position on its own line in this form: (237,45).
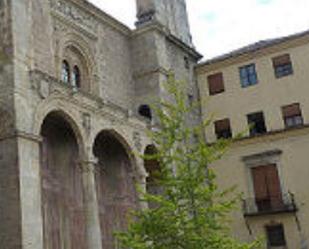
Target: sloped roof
(255,47)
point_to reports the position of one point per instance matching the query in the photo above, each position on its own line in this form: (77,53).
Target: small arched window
(76,77)
(145,111)
(65,72)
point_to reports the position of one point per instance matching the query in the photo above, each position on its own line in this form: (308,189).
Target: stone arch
(79,47)
(55,106)
(115,183)
(64,221)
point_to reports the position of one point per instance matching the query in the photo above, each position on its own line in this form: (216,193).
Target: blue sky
(219,26)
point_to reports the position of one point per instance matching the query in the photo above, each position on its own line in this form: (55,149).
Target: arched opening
(76,77)
(145,111)
(65,72)
(115,186)
(152,166)
(79,68)
(62,191)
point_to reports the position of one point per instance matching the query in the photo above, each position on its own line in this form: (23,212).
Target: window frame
(76,77)
(271,197)
(65,72)
(221,133)
(282,69)
(252,130)
(212,80)
(296,120)
(270,241)
(248,75)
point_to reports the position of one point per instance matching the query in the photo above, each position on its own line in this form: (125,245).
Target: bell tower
(161,44)
(172,14)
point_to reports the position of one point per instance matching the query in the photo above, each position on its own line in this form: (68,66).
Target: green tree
(190,212)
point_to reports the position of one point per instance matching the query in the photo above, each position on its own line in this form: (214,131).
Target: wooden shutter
(215,83)
(291,111)
(267,185)
(260,182)
(274,187)
(222,125)
(281,60)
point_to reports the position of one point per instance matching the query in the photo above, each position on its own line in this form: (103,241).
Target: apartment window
(256,123)
(275,236)
(292,115)
(248,76)
(223,128)
(267,188)
(215,83)
(282,66)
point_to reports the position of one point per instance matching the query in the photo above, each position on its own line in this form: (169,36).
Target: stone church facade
(74,107)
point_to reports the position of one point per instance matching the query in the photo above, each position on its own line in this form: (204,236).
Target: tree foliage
(190,212)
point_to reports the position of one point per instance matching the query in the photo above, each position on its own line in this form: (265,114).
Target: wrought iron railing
(269,204)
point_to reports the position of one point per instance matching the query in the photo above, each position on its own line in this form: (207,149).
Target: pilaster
(30,190)
(94,239)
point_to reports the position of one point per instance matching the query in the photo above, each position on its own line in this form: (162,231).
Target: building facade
(74,107)
(258,95)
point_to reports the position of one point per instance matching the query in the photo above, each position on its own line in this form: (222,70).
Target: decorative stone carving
(86,122)
(41,83)
(44,89)
(74,14)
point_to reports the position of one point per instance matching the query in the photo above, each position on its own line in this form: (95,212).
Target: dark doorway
(62,191)
(115,186)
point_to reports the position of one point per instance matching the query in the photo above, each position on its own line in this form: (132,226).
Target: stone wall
(123,70)
(5,28)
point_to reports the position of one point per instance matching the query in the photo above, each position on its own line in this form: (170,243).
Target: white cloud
(219,26)
(123,10)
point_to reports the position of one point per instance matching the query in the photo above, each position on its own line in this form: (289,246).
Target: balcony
(269,205)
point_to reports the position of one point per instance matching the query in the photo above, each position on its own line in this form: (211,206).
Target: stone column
(94,238)
(30,190)
(141,176)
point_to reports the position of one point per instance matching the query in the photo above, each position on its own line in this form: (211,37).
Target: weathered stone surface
(120,70)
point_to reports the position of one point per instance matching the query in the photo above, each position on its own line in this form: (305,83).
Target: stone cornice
(190,50)
(23,135)
(171,38)
(89,33)
(76,9)
(272,136)
(150,72)
(263,52)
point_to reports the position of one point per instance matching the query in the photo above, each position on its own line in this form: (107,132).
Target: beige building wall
(288,149)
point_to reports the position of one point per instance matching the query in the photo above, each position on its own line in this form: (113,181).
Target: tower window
(282,66)
(76,77)
(145,111)
(186,62)
(292,115)
(257,123)
(65,73)
(248,76)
